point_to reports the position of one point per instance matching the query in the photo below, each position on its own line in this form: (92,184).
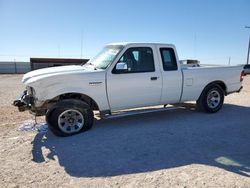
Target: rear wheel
(69,117)
(211,99)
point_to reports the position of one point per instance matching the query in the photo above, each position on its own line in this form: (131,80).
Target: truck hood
(37,75)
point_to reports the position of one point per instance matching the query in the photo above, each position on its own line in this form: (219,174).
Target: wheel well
(221,84)
(93,105)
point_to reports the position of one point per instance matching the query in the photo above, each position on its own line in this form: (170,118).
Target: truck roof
(140,43)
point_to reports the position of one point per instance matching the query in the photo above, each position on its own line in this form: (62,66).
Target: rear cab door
(172,76)
(141,84)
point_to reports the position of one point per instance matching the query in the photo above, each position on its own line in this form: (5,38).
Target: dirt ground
(174,148)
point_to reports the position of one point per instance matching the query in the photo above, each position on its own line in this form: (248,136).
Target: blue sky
(208,30)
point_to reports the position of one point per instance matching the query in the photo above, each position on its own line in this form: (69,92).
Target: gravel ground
(174,148)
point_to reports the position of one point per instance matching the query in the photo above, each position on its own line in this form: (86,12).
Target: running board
(138,111)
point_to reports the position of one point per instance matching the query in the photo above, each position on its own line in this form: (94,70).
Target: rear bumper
(239,90)
(24,102)
(241,87)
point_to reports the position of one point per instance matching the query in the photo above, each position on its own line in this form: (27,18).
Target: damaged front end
(28,101)
(25,101)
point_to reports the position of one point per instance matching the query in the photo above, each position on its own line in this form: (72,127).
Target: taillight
(242,74)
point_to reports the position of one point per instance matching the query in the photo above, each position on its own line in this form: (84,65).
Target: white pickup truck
(123,76)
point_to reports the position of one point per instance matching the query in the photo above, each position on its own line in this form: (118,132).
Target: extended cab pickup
(123,76)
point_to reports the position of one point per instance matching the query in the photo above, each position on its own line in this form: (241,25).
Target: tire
(211,99)
(69,117)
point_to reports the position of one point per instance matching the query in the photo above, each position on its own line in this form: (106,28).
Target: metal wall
(38,63)
(14,67)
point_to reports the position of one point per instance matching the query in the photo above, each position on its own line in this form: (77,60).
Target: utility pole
(248,27)
(195,38)
(59,50)
(81,42)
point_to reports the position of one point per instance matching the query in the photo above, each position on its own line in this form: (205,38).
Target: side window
(139,59)
(168,59)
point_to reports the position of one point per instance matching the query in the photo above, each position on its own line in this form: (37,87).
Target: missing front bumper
(24,102)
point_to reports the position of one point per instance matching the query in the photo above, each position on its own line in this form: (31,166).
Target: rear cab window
(168,59)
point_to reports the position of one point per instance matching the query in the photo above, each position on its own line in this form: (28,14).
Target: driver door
(135,80)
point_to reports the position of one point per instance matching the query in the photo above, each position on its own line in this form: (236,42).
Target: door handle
(154,78)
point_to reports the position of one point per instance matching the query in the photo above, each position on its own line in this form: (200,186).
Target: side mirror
(121,67)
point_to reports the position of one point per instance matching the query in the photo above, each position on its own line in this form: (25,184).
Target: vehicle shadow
(154,141)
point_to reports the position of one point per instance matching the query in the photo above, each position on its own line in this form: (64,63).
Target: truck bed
(196,77)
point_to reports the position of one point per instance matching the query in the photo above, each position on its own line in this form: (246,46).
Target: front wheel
(69,117)
(211,99)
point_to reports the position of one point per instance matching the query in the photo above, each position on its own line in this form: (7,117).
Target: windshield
(105,57)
